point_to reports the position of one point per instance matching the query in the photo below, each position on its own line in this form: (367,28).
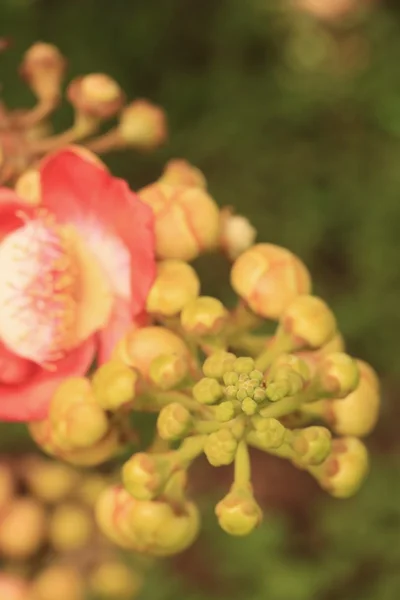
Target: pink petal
(12,211)
(77,191)
(29,401)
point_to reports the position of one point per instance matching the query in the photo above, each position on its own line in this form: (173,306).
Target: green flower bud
(207,391)
(270,432)
(145,475)
(344,471)
(243,365)
(241,394)
(309,321)
(204,316)
(257,376)
(225,411)
(338,375)
(238,513)
(220,448)
(168,370)
(174,422)
(231,391)
(249,406)
(312,445)
(216,365)
(114,385)
(277,390)
(259,395)
(230,378)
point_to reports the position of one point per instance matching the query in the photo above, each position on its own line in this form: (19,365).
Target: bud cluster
(48,534)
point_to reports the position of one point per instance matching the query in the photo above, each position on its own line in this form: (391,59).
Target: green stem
(242,477)
(282,407)
(249,344)
(190,449)
(281,343)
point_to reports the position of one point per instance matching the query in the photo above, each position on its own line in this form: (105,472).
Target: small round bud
(50,481)
(207,391)
(179,172)
(257,376)
(112,516)
(220,448)
(143,124)
(168,371)
(114,579)
(238,513)
(259,395)
(338,374)
(357,414)
(175,286)
(58,577)
(28,187)
(270,432)
(144,475)
(243,365)
(309,321)
(22,529)
(218,364)
(237,234)
(186,220)
(291,363)
(249,406)
(43,68)
(230,378)
(268,278)
(141,346)
(174,422)
(204,316)
(225,411)
(95,95)
(70,527)
(114,384)
(346,468)
(77,420)
(312,445)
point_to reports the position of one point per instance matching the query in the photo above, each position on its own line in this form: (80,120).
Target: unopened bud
(168,371)
(186,220)
(269,432)
(268,278)
(43,68)
(70,527)
(145,475)
(309,321)
(220,448)
(114,384)
(58,577)
(175,286)
(50,481)
(141,346)
(115,580)
(338,375)
(216,365)
(357,414)
(112,515)
(22,528)
(312,445)
(174,422)
(76,417)
(237,234)
(99,453)
(180,172)
(204,316)
(344,471)
(225,411)
(243,365)
(207,391)
(95,95)
(238,513)
(143,124)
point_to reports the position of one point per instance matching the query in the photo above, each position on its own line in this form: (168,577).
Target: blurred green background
(296,123)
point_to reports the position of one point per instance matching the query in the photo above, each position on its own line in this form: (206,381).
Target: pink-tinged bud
(112,515)
(58,577)
(237,234)
(175,286)
(178,172)
(344,471)
(43,68)
(140,347)
(13,587)
(104,450)
(309,321)
(28,187)
(186,220)
(357,414)
(312,445)
(204,316)
(269,278)
(338,374)
(168,371)
(22,528)
(143,124)
(96,95)
(238,513)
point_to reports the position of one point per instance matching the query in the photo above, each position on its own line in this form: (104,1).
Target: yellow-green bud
(207,391)
(312,445)
(175,286)
(115,579)
(70,527)
(114,384)
(338,375)
(270,432)
(249,406)
(256,375)
(345,469)
(218,364)
(230,378)
(220,448)
(174,422)
(145,475)
(168,371)
(244,365)
(309,321)
(238,513)
(225,411)
(204,316)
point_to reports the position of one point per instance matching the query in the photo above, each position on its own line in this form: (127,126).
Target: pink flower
(74,274)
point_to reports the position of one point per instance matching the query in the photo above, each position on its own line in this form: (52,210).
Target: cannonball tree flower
(75,272)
